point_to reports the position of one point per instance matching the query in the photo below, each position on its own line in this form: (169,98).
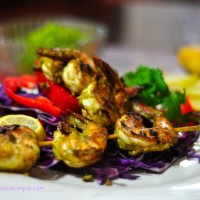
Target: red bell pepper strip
(58,94)
(28,81)
(12,84)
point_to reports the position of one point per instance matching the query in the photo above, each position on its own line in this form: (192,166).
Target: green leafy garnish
(172,104)
(156,91)
(153,82)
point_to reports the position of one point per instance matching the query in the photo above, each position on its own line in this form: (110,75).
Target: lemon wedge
(189,58)
(195,103)
(194,91)
(180,82)
(25,120)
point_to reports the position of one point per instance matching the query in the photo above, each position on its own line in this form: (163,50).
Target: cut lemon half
(25,120)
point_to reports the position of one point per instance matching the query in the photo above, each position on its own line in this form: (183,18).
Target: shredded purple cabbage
(4,98)
(193,154)
(47,164)
(115,163)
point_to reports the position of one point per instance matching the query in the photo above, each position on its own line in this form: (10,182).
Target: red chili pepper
(185,108)
(58,94)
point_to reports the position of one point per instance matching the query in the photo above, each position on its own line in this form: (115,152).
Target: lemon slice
(25,120)
(189,58)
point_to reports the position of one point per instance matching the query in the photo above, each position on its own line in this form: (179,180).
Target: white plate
(180,181)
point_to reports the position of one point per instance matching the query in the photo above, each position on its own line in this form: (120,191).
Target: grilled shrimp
(19,149)
(136,138)
(79,142)
(104,99)
(52,69)
(98,104)
(77,75)
(121,97)
(71,68)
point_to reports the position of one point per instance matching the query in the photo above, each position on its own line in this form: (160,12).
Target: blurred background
(137,30)
(133,22)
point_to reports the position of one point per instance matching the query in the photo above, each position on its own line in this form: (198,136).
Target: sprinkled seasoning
(88,178)
(108,182)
